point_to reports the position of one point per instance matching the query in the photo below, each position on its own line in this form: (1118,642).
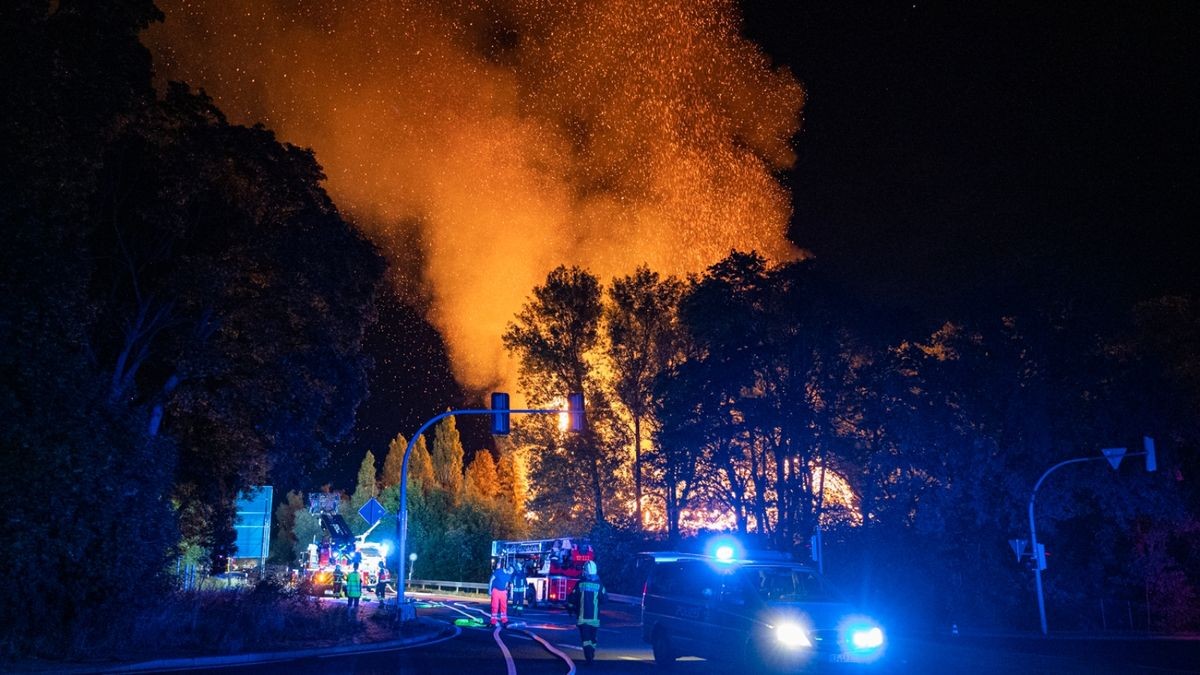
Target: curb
(436,630)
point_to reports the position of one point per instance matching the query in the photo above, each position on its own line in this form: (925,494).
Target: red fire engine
(552,566)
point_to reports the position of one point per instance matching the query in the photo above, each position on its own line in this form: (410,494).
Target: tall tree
(366,488)
(482,485)
(643,340)
(420,464)
(183,290)
(556,336)
(513,482)
(448,457)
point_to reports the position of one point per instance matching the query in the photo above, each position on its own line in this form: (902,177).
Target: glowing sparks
(482,144)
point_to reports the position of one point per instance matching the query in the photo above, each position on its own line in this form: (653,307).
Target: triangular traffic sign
(1114,456)
(1018,547)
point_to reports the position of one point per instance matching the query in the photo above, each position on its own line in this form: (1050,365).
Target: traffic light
(576,420)
(500,422)
(1040,556)
(1151,457)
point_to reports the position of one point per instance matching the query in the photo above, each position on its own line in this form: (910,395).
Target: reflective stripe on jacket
(589,602)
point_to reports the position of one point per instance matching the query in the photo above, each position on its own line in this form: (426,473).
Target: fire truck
(552,566)
(339,548)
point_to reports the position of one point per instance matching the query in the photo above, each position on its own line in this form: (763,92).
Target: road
(478,649)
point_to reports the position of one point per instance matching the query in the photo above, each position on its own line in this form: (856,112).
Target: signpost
(1018,547)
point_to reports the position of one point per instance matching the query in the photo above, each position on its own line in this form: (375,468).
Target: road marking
(570,646)
(508,659)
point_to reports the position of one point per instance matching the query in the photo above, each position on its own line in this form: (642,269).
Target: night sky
(1037,143)
(1026,148)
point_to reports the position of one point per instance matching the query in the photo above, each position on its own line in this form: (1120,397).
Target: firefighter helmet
(590,568)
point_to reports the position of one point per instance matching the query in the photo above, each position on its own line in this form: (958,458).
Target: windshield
(788,584)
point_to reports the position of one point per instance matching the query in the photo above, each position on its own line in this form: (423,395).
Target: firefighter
(354,586)
(338,578)
(381,582)
(518,588)
(584,603)
(498,588)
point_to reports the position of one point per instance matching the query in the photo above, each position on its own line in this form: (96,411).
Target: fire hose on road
(473,621)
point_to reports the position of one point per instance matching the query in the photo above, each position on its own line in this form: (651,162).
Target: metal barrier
(455,586)
(472,587)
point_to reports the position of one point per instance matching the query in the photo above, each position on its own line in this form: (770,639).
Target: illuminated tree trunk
(637,470)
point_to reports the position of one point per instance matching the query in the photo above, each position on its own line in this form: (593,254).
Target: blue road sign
(372,511)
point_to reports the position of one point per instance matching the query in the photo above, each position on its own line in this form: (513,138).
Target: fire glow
(482,144)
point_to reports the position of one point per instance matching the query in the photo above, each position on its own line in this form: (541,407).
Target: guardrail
(472,587)
(455,586)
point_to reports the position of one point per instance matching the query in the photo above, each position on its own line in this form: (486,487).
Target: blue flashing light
(864,639)
(725,549)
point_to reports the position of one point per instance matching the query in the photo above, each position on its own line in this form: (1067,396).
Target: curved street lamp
(499,413)
(1114,457)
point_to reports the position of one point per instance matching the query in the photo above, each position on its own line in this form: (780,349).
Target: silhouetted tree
(555,337)
(186,313)
(643,339)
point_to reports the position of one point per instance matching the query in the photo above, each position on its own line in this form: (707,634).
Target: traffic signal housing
(500,418)
(575,417)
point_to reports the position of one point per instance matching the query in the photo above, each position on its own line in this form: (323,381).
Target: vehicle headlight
(867,638)
(791,635)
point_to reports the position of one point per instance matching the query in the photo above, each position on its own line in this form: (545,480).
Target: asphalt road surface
(546,642)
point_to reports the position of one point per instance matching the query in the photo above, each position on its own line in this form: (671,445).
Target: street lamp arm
(1037,570)
(1077,460)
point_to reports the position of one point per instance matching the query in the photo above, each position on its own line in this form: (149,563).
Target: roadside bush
(265,617)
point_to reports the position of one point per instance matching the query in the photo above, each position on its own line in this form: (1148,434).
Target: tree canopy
(184,316)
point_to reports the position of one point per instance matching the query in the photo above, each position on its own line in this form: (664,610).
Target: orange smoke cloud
(487,142)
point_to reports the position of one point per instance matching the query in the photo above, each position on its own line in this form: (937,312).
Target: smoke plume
(481,143)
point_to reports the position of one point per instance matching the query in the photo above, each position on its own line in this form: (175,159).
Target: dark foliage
(941,438)
(182,317)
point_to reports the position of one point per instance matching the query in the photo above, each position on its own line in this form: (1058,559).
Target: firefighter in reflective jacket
(584,603)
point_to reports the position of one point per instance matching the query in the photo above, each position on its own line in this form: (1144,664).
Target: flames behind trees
(487,142)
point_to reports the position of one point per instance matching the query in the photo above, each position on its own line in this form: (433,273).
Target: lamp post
(412,562)
(499,412)
(1114,457)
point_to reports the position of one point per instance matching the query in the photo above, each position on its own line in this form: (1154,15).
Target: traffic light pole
(1114,460)
(1037,563)
(402,516)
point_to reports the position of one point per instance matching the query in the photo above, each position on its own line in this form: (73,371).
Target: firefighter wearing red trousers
(498,588)
(584,603)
